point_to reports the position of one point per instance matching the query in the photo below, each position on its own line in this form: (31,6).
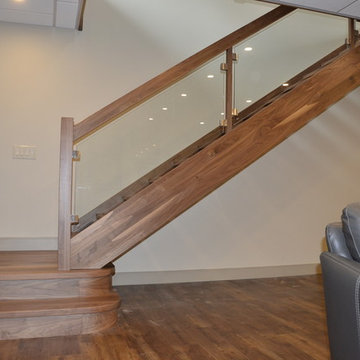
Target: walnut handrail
(174,74)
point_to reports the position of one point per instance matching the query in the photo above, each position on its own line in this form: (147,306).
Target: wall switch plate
(25,152)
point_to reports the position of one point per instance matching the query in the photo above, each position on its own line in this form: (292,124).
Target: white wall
(273,213)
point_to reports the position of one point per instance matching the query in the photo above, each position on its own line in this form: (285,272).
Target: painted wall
(273,213)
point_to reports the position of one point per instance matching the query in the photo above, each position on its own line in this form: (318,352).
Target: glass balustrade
(142,139)
(275,55)
(145,137)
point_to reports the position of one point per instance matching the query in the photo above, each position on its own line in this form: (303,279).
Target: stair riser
(54,288)
(45,326)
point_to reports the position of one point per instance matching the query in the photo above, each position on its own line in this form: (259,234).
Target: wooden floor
(266,319)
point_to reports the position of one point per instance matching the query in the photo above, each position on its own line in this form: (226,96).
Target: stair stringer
(162,201)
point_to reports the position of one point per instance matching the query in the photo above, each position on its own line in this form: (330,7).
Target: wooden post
(65,193)
(229,89)
(352,33)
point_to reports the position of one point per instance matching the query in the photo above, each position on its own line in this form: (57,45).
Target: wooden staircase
(167,197)
(42,293)
(37,300)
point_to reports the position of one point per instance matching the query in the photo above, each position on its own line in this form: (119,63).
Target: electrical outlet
(25,152)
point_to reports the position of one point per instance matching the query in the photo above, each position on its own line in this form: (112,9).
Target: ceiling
(348,8)
(58,13)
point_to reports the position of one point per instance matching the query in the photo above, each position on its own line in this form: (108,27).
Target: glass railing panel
(289,46)
(142,139)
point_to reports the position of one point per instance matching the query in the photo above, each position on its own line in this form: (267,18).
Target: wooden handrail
(174,74)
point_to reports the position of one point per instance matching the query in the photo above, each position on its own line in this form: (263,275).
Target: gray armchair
(341,277)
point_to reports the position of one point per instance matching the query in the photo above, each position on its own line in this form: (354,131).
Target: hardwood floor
(263,319)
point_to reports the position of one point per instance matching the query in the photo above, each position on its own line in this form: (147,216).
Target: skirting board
(163,277)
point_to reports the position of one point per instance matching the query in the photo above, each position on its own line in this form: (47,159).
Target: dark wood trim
(80,17)
(65,193)
(159,203)
(174,74)
(174,161)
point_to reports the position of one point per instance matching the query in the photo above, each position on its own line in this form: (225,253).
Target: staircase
(70,291)
(38,300)
(155,205)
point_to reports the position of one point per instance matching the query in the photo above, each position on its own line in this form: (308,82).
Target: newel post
(65,193)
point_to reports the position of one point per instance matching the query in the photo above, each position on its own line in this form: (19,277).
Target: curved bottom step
(37,300)
(44,326)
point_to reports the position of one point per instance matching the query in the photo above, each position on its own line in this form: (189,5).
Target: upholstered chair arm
(341,279)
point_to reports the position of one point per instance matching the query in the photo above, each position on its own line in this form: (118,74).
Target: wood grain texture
(177,159)
(262,319)
(42,265)
(57,307)
(65,193)
(156,205)
(54,288)
(174,74)
(36,299)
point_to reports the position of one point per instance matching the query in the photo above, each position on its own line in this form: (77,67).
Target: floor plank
(262,319)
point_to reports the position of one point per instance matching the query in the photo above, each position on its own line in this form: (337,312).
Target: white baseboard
(163,277)
(17,244)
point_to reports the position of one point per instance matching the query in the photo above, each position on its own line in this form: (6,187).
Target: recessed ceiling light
(151,118)
(248,48)
(202,123)
(19,1)
(222,113)
(210,76)
(249,101)
(183,94)
(164,108)
(285,84)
